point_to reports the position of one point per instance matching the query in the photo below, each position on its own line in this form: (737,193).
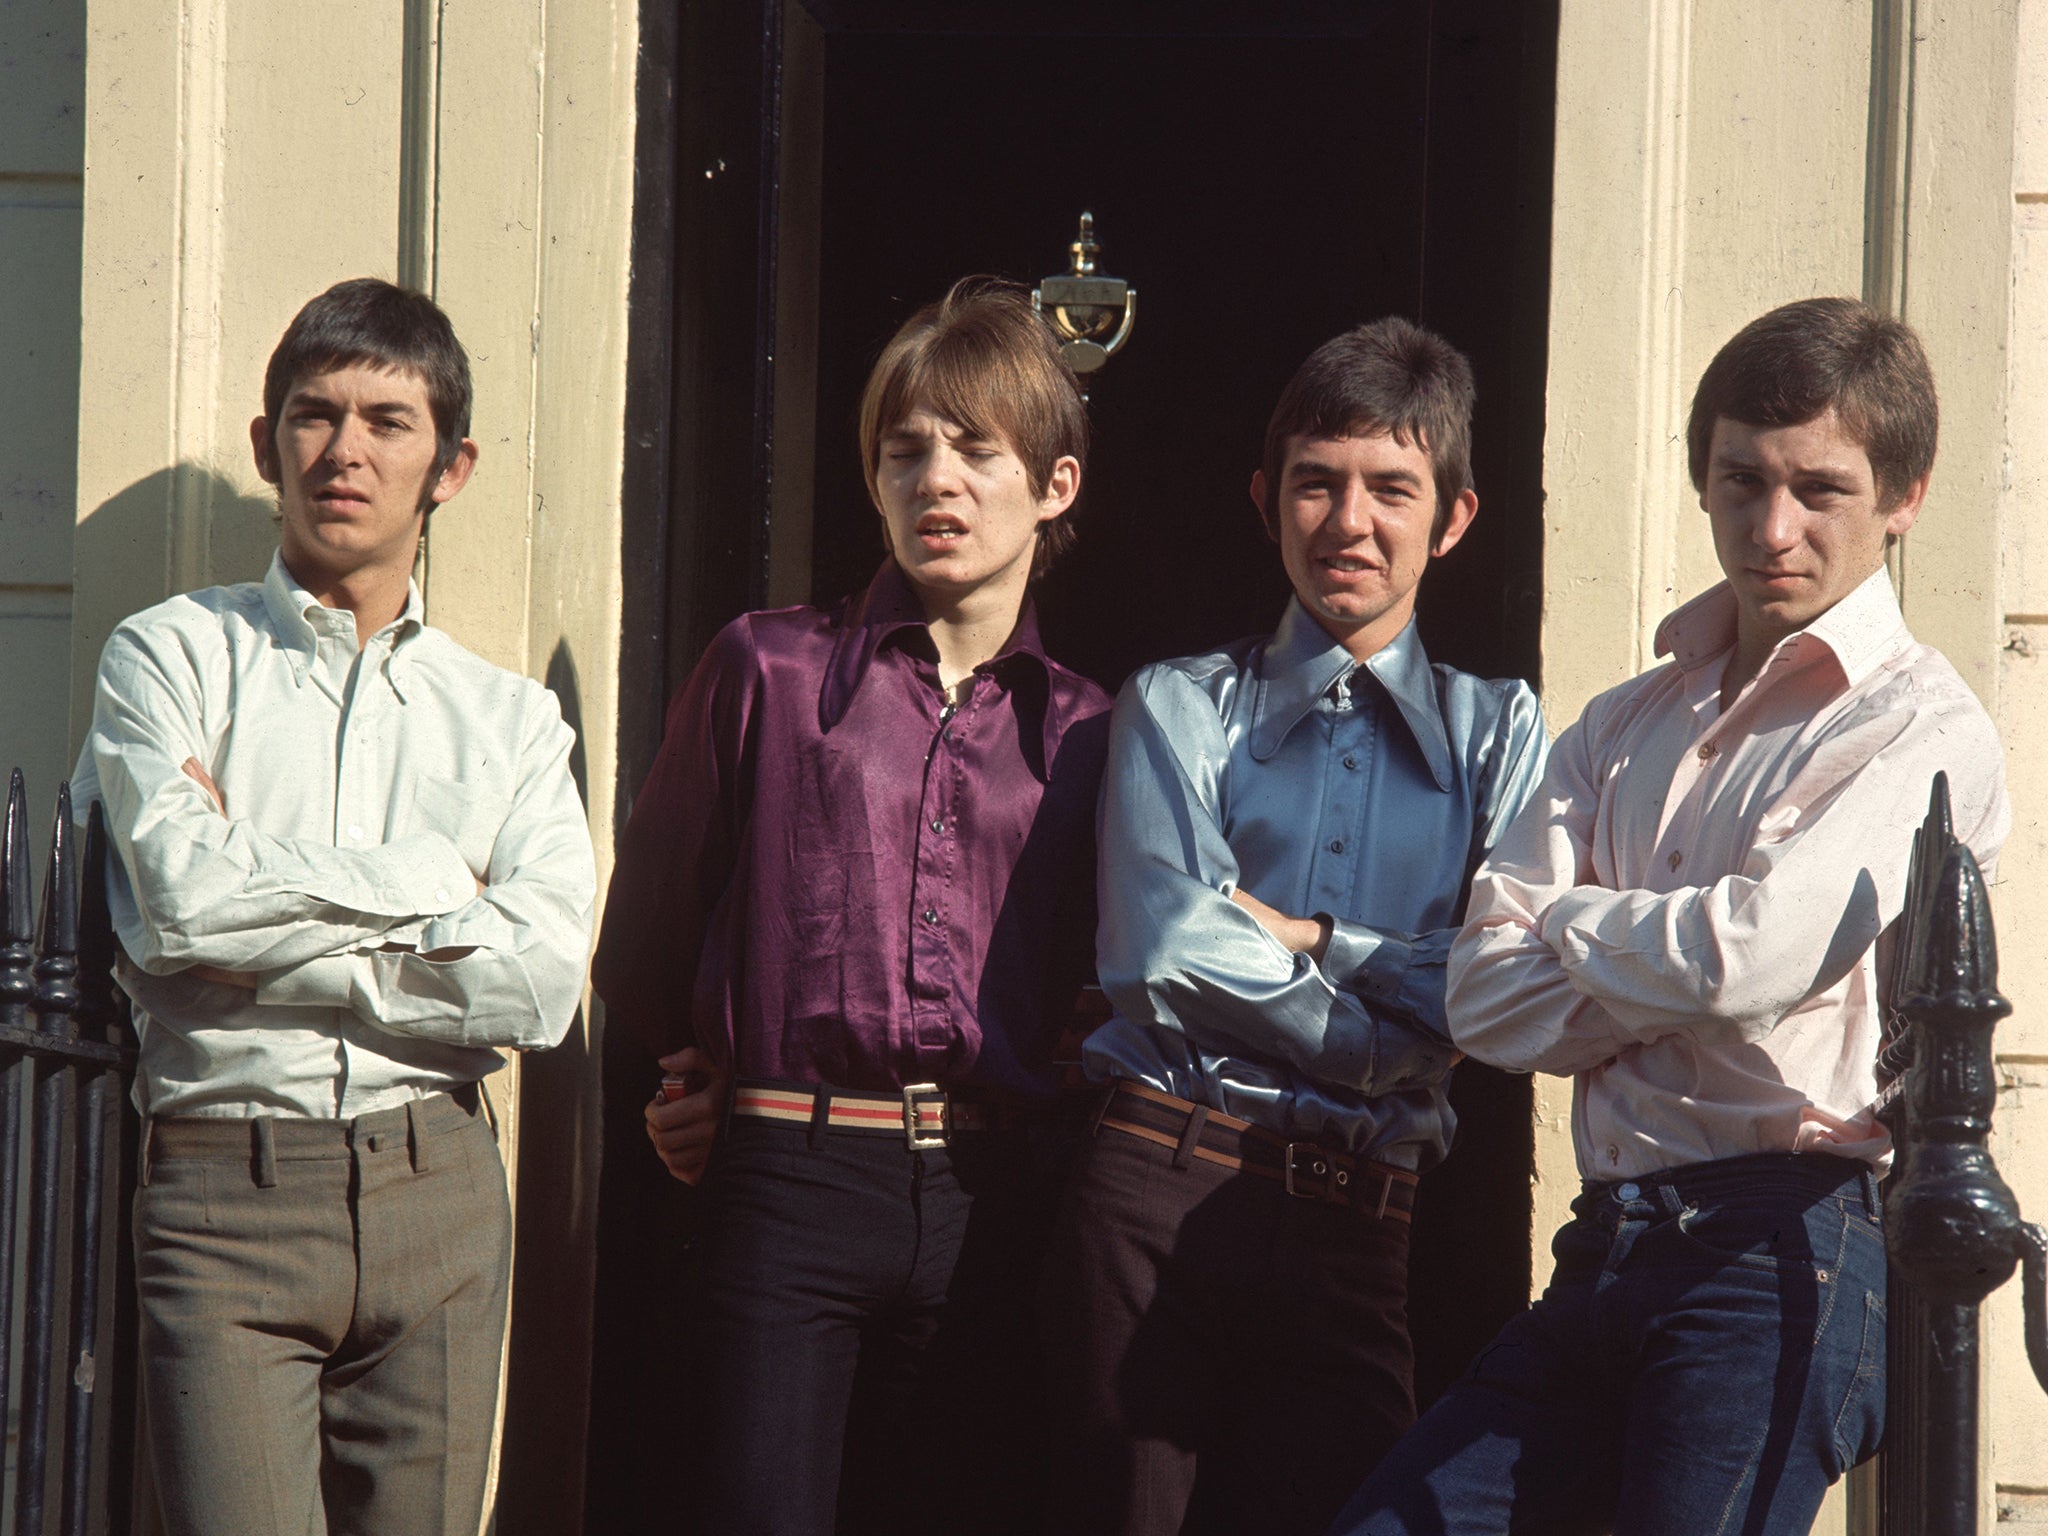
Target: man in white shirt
(1686,917)
(351,865)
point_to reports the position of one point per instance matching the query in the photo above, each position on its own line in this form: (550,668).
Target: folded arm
(1826,875)
(506,967)
(197,887)
(1556,972)
(1173,945)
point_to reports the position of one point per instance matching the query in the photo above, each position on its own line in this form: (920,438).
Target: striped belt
(1306,1169)
(923,1114)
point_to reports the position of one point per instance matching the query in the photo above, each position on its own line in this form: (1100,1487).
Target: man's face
(958,510)
(1797,522)
(352,456)
(1353,517)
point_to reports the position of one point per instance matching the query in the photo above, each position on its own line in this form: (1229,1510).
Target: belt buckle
(913,1138)
(1320,1170)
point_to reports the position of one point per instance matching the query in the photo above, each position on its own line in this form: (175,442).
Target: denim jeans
(1708,1357)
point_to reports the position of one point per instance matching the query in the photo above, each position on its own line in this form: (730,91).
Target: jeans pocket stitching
(1771,1263)
(1867,1378)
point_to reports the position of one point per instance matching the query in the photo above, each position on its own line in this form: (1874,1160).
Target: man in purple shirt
(855,898)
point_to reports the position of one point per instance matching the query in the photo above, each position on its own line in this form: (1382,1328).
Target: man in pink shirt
(1688,918)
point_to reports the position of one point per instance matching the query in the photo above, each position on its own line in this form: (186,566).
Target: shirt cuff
(1365,961)
(326,982)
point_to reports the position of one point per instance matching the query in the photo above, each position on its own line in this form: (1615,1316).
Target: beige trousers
(322,1309)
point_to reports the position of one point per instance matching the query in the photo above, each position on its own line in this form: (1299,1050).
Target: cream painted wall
(2018,1408)
(42,163)
(1712,160)
(241,157)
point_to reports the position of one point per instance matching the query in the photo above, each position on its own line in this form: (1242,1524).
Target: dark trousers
(323,1311)
(1708,1357)
(863,1332)
(1223,1356)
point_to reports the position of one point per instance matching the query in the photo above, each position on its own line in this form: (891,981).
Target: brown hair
(368,321)
(1785,368)
(1388,376)
(982,358)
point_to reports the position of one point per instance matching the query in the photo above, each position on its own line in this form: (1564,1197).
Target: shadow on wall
(123,554)
(547,1384)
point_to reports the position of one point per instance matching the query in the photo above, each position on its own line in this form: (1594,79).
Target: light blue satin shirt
(1364,793)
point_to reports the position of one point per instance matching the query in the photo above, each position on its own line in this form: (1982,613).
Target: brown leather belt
(1307,1169)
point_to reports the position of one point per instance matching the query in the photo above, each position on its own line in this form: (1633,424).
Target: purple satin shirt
(829,877)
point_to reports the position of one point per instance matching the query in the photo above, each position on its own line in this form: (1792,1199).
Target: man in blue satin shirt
(1288,829)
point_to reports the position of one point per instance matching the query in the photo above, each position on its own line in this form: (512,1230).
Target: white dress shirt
(367,791)
(1686,914)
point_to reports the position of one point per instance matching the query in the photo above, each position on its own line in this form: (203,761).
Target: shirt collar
(887,609)
(1302,662)
(288,604)
(1859,631)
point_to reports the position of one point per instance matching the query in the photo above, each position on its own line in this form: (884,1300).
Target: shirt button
(1336,845)
(930,916)
(376,1143)
(442,894)
(1708,750)
(1676,859)
(1350,759)
(356,833)
(938,824)
(1626,1192)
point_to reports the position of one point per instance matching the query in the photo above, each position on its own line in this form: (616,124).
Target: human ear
(457,474)
(265,450)
(1061,487)
(1463,510)
(1907,509)
(1266,519)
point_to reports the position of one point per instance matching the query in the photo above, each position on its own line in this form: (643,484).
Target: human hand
(682,1129)
(205,781)
(1302,935)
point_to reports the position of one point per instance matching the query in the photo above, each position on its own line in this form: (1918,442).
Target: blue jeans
(1708,1357)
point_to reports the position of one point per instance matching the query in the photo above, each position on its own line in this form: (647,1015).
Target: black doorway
(1265,173)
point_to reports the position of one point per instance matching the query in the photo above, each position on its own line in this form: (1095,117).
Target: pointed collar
(889,607)
(1860,630)
(1301,663)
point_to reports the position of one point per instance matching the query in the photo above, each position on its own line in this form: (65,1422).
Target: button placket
(930,954)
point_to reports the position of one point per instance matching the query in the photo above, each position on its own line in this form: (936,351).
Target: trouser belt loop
(416,1134)
(147,1164)
(1191,1133)
(263,1151)
(1102,1102)
(821,1115)
(1873,1194)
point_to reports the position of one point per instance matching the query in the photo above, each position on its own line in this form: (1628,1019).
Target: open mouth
(940,532)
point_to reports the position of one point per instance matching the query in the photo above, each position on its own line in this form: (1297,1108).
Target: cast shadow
(547,1381)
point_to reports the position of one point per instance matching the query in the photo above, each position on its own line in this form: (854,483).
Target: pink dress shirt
(1686,914)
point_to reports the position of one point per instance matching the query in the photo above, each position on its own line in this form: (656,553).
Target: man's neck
(969,629)
(373,596)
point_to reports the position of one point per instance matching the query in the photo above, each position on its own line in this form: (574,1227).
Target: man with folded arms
(1288,825)
(351,865)
(1687,918)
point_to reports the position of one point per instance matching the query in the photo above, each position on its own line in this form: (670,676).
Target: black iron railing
(1952,1227)
(66,1055)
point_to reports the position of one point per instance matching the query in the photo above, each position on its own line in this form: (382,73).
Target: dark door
(1266,173)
